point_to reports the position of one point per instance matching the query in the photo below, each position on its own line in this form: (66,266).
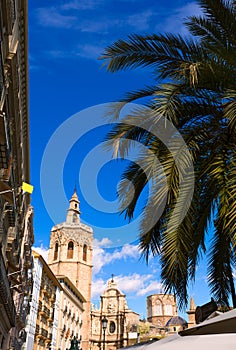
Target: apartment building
(16,213)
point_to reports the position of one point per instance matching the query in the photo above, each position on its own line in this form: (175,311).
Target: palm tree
(195,90)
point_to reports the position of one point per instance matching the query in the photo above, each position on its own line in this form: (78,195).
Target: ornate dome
(176,321)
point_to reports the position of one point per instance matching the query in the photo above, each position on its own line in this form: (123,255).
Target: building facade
(70,254)
(42,323)
(160,308)
(122,322)
(163,315)
(16,214)
(70,314)
(56,310)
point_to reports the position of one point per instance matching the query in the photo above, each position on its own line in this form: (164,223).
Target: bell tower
(70,255)
(73,213)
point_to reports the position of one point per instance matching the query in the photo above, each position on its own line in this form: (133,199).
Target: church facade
(120,321)
(70,255)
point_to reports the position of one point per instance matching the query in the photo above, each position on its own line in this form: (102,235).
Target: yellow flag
(27,187)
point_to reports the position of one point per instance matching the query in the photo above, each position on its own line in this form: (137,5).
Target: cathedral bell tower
(73,213)
(70,255)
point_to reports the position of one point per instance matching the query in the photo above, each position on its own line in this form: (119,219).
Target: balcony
(51,316)
(40,306)
(43,332)
(1,77)
(46,311)
(5,294)
(47,290)
(53,296)
(5,147)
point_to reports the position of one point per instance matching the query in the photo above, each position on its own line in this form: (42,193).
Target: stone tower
(70,255)
(160,308)
(191,313)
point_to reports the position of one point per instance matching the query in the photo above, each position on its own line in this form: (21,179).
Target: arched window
(149,309)
(168,310)
(85,248)
(70,250)
(158,308)
(56,251)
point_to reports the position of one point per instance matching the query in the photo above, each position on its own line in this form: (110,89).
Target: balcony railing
(11,11)
(40,306)
(44,333)
(1,77)
(5,293)
(5,145)
(46,310)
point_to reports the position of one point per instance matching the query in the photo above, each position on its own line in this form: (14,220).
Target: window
(56,251)
(85,248)
(158,309)
(112,327)
(149,309)
(168,310)
(70,250)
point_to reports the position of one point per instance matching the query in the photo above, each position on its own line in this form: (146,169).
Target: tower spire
(73,212)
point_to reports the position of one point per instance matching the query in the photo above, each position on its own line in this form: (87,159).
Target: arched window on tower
(70,250)
(158,308)
(56,251)
(85,248)
(168,309)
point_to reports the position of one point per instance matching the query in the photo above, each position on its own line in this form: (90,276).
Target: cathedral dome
(176,321)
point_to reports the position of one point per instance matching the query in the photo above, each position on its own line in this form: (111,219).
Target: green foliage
(195,90)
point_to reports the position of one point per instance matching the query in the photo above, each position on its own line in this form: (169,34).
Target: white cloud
(80,5)
(140,21)
(133,284)
(101,257)
(105,242)
(51,17)
(42,251)
(98,288)
(153,286)
(89,51)
(175,22)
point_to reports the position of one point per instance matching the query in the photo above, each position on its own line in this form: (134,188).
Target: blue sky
(65,40)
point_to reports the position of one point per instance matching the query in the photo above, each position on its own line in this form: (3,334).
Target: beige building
(160,308)
(122,322)
(42,321)
(163,314)
(70,255)
(16,214)
(70,313)
(56,310)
